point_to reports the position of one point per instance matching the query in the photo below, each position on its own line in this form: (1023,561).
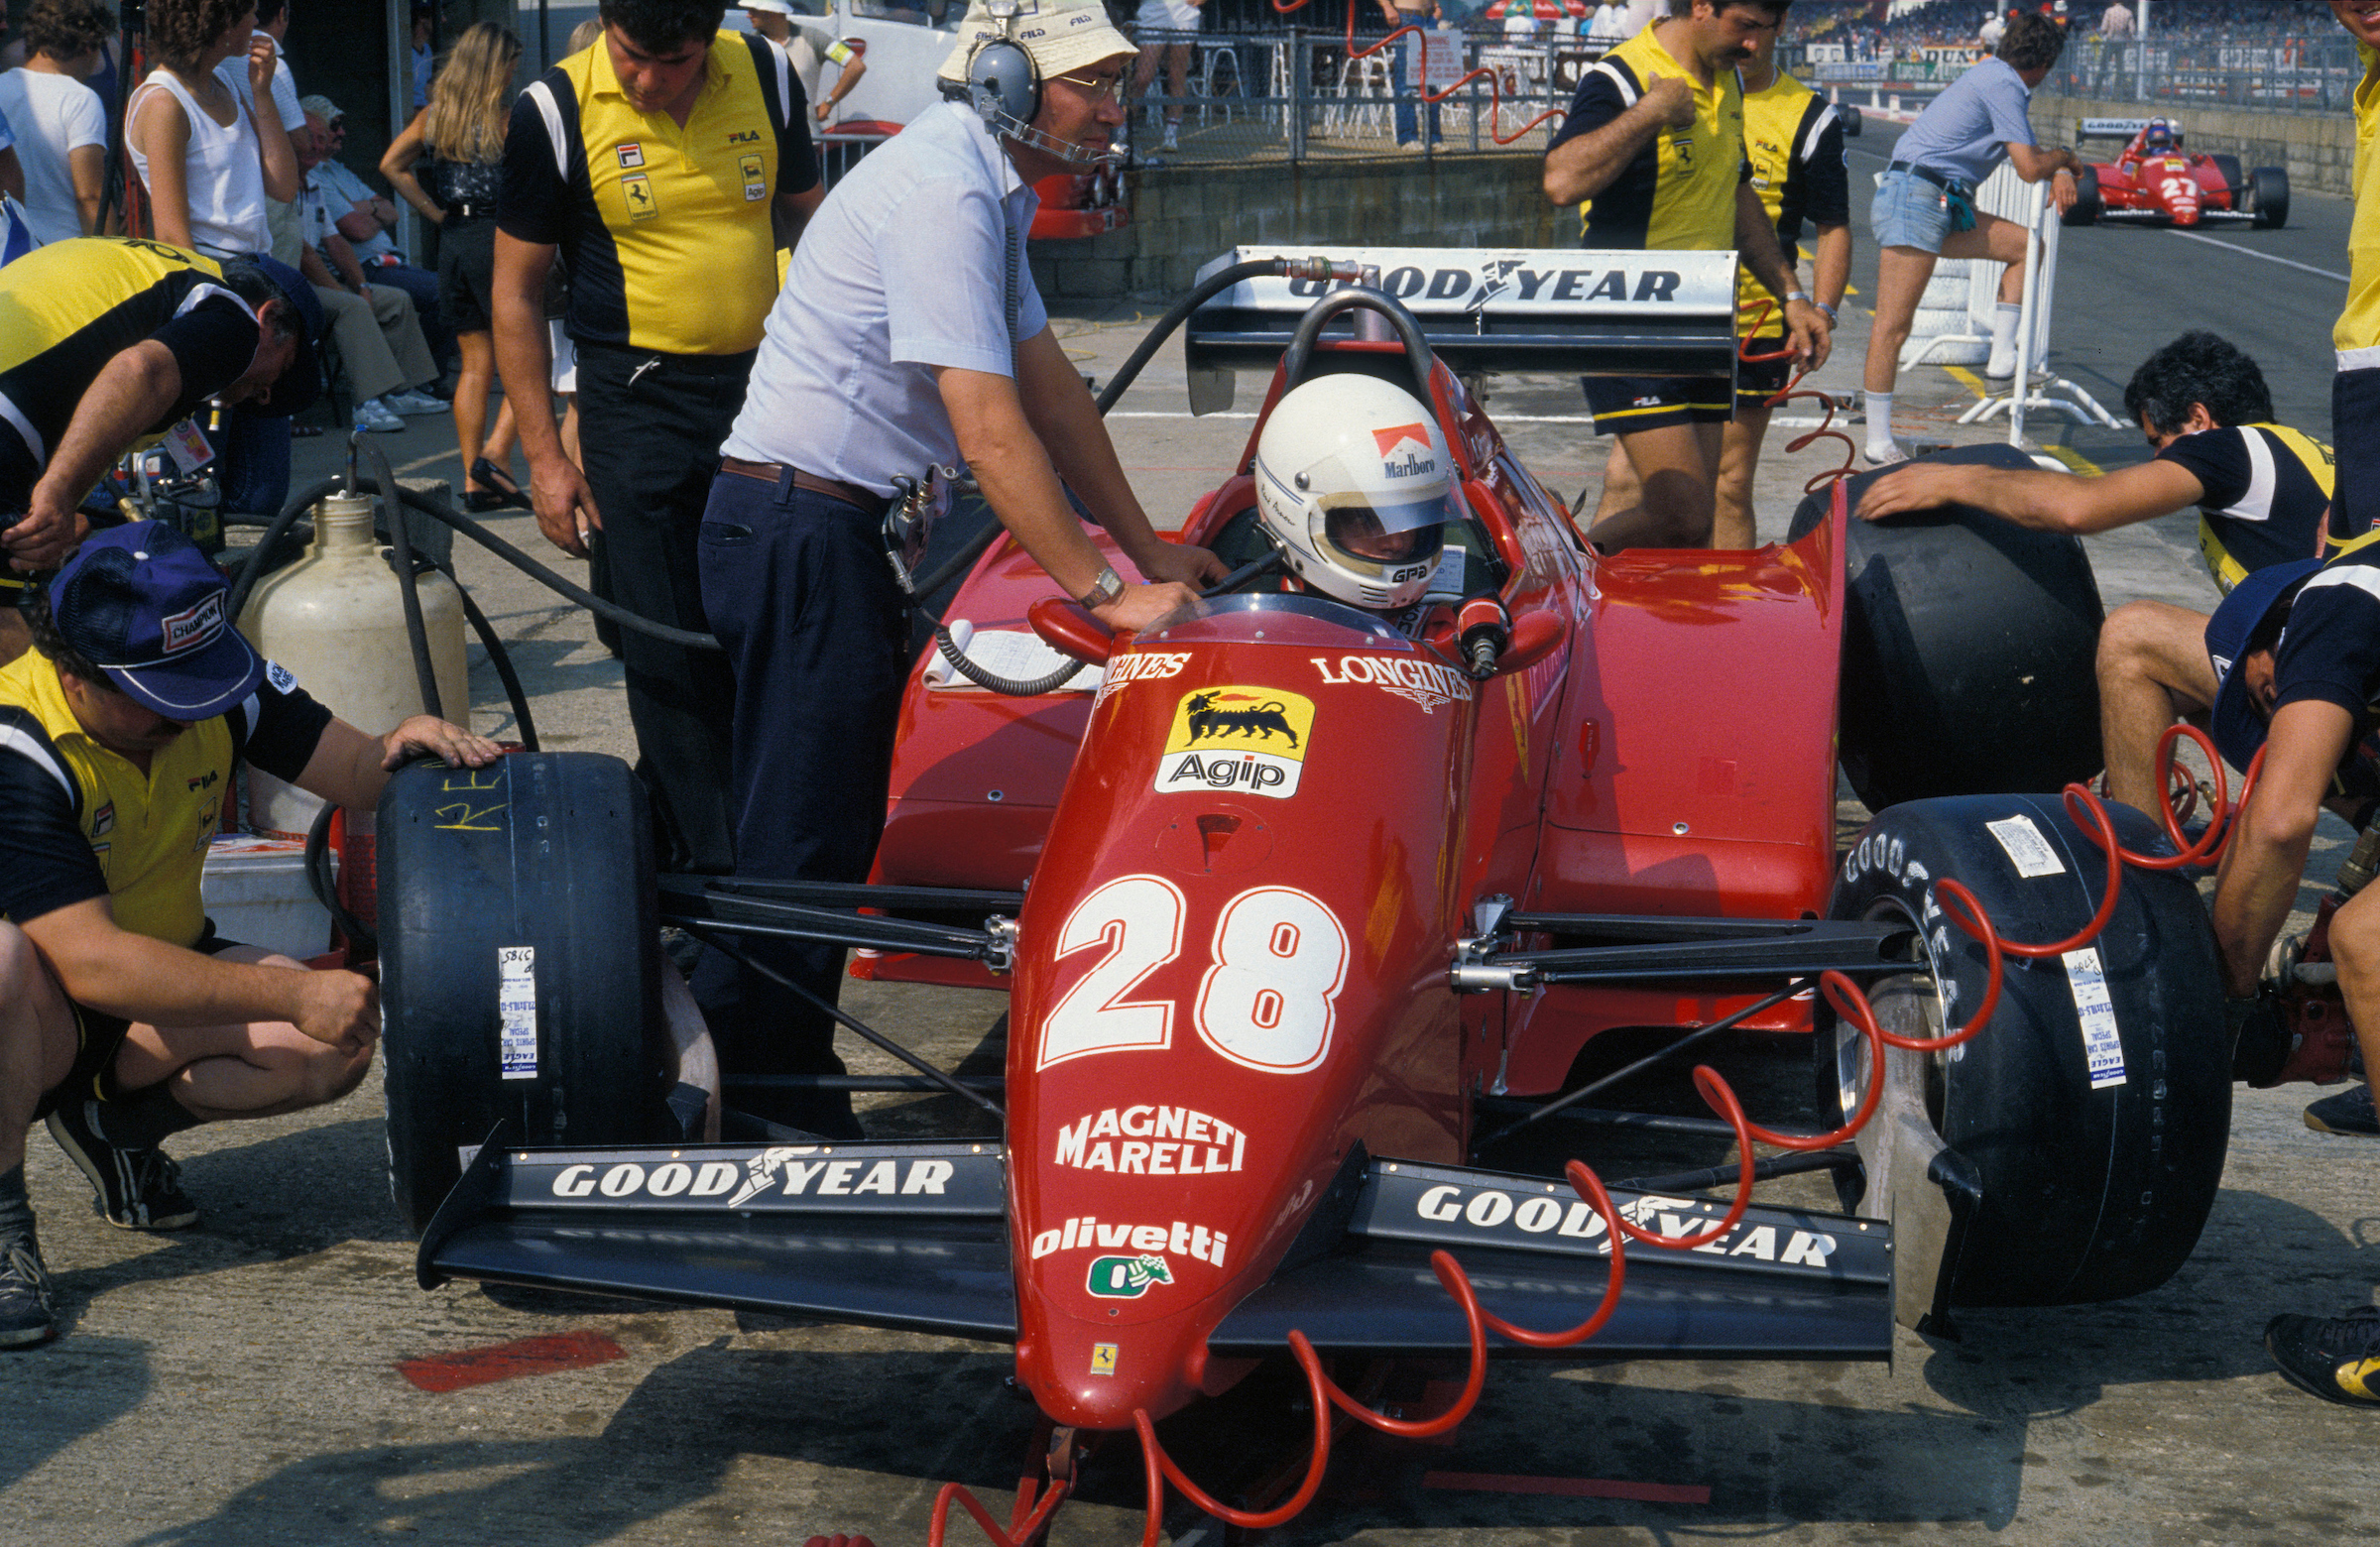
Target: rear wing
(1565,310)
(2111,128)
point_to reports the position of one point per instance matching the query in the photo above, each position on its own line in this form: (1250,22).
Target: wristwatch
(1828,311)
(1801,296)
(1106,588)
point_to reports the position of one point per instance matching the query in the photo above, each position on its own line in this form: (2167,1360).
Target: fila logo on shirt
(631,153)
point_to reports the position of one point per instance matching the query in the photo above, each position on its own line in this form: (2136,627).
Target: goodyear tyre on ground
(1967,649)
(2089,1118)
(520,961)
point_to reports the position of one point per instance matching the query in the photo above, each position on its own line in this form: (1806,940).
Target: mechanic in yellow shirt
(1793,139)
(1654,146)
(124,1019)
(2355,390)
(665,167)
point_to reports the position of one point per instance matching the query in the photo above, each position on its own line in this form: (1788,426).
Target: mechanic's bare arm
(350,768)
(2035,498)
(791,212)
(524,361)
(1833,274)
(2033,163)
(1582,167)
(131,393)
(1013,469)
(120,973)
(2258,884)
(1758,250)
(1061,411)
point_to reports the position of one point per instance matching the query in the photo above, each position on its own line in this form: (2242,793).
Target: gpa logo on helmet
(1126,1277)
(195,628)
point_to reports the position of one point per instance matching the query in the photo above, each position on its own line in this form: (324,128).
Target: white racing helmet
(1352,485)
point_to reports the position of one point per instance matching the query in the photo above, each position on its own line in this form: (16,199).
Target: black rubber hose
(416,634)
(1010,686)
(1175,315)
(319,880)
(502,660)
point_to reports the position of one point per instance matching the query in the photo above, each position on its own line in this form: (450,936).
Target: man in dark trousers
(665,164)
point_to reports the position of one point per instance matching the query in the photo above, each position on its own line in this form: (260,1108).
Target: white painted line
(2286,263)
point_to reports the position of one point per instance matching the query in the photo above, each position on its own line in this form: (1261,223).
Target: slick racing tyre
(2268,198)
(520,963)
(2088,203)
(2093,1111)
(1967,649)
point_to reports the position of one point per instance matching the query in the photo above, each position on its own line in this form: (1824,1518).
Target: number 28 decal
(1279,960)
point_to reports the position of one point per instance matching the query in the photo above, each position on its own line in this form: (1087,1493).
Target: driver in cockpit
(1357,500)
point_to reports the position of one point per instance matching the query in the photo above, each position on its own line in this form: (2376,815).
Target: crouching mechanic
(2261,490)
(107,340)
(124,1019)
(908,333)
(2297,650)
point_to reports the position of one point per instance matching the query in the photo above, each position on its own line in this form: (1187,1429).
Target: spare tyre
(1968,649)
(2085,1129)
(520,963)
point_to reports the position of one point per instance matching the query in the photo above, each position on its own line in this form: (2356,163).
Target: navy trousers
(796,587)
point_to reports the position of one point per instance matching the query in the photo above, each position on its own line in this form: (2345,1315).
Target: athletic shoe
(139,1189)
(1889,455)
(26,1312)
(2348,1111)
(1999,370)
(2338,1357)
(373,414)
(410,403)
(1174,137)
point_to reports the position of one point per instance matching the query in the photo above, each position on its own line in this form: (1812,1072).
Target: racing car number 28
(1266,1001)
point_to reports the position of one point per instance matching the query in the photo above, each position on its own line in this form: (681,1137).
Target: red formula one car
(1300,919)
(2156,180)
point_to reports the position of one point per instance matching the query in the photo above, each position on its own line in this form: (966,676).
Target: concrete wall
(2318,150)
(1183,215)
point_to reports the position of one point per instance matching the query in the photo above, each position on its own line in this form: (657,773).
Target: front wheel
(2268,198)
(2088,203)
(2071,1152)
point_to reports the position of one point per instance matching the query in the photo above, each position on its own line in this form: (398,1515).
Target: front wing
(914,1236)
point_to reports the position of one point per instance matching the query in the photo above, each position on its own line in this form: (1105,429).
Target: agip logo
(1248,738)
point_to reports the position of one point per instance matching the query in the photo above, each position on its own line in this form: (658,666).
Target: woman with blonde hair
(461,135)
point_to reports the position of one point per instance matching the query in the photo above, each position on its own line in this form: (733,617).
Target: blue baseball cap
(299,385)
(141,604)
(2238,727)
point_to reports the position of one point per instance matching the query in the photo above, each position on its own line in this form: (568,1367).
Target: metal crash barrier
(1561,310)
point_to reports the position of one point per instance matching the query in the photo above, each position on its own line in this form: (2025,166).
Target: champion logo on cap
(195,628)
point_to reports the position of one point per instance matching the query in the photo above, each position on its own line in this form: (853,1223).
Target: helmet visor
(1384,533)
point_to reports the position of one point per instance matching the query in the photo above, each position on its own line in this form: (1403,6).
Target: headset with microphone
(1004,87)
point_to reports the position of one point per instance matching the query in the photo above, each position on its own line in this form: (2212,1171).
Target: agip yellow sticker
(1252,739)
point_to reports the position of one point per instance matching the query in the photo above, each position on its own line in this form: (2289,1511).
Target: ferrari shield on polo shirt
(1247,740)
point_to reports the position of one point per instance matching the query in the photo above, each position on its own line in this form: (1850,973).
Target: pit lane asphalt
(237,1384)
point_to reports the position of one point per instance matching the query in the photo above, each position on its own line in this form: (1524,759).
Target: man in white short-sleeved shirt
(65,124)
(909,333)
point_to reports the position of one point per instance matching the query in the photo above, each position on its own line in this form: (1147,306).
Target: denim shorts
(1909,211)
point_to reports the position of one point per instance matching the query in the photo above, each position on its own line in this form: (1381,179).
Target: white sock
(1879,419)
(2004,318)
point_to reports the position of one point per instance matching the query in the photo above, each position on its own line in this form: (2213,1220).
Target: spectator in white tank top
(192,130)
(63,123)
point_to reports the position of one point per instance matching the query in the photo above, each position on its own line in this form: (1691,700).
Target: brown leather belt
(832,488)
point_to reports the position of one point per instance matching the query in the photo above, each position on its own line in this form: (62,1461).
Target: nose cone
(1097,1376)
